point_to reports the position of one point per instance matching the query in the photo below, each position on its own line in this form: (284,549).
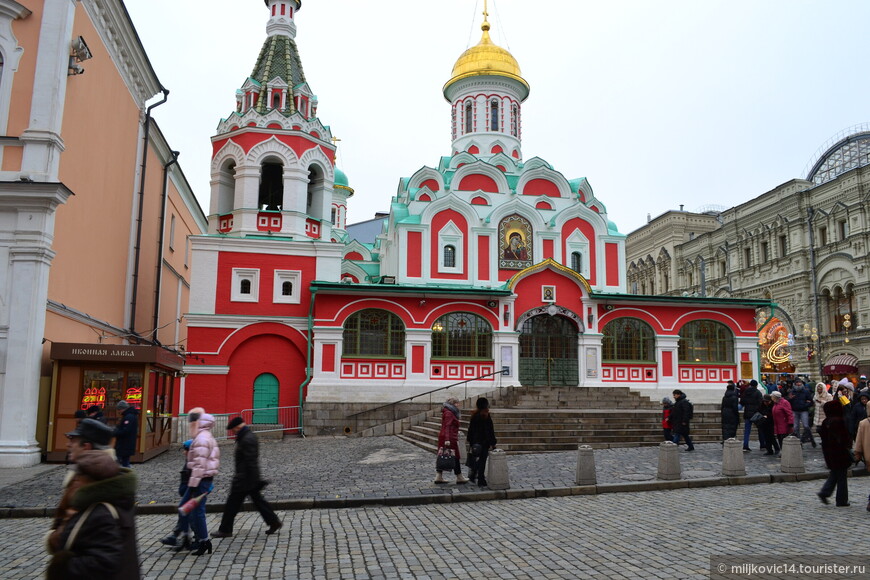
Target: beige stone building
(802,245)
(95,217)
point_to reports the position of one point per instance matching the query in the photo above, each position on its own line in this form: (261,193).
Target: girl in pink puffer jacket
(203,460)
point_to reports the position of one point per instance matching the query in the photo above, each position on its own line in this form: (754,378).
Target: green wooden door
(548,352)
(265,396)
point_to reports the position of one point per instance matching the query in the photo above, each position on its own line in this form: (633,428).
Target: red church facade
(489,268)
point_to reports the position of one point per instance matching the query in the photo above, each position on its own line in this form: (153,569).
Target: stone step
(552,419)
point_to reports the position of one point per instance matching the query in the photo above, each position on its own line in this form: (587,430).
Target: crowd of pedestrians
(836,411)
(94,524)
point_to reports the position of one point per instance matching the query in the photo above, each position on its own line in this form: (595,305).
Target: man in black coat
(126,432)
(246,481)
(751,401)
(681,415)
(730,413)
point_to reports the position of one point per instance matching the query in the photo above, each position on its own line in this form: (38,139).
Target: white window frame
(240,274)
(577,242)
(292,276)
(450,235)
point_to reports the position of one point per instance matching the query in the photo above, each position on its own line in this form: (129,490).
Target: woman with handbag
(448,442)
(481,438)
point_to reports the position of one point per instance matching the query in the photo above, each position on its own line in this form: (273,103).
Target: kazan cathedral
(491,269)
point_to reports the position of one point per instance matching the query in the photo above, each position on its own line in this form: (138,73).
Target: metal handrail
(355,416)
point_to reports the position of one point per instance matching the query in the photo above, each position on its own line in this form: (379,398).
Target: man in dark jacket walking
(681,415)
(246,481)
(751,401)
(126,432)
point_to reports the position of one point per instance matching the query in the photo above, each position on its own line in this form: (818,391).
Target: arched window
(449,256)
(276,100)
(245,286)
(628,339)
(493,116)
(577,261)
(468,118)
(515,119)
(373,332)
(461,335)
(706,341)
(839,305)
(287,289)
(315,193)
(271,186)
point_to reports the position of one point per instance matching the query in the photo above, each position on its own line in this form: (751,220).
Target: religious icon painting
(548,293)
(514,243)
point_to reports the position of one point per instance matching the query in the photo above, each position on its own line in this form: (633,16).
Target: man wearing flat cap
(94,529)
(246,481)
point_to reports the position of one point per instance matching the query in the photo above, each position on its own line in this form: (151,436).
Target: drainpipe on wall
(160,236)
(138,248)
(811,214)
(309,371)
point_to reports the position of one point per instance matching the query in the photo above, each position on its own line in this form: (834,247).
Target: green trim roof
(406,289)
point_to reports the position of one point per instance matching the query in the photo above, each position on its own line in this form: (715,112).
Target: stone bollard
(792,456)
(585,474)
(497,470)
(669,461)
(732,458)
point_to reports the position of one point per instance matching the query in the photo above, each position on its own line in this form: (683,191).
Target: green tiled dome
(279,57)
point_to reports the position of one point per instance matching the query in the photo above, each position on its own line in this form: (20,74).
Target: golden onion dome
(486,59)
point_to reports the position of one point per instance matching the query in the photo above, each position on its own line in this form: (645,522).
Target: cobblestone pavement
(658,534)
(327,467)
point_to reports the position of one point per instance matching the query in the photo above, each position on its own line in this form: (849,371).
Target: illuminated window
(449,257)
(461,335)
(706,341)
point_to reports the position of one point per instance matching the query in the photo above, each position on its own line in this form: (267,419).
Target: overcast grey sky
(657,103)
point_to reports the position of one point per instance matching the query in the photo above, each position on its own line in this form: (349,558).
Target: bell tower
(273,165)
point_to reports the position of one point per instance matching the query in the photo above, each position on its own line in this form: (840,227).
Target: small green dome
(612,228)
(341,178)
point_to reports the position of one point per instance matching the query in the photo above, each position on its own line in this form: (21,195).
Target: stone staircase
(542,419)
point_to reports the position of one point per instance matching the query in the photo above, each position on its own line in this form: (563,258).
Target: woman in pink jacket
(448,438)
(203,461)
(783,417)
